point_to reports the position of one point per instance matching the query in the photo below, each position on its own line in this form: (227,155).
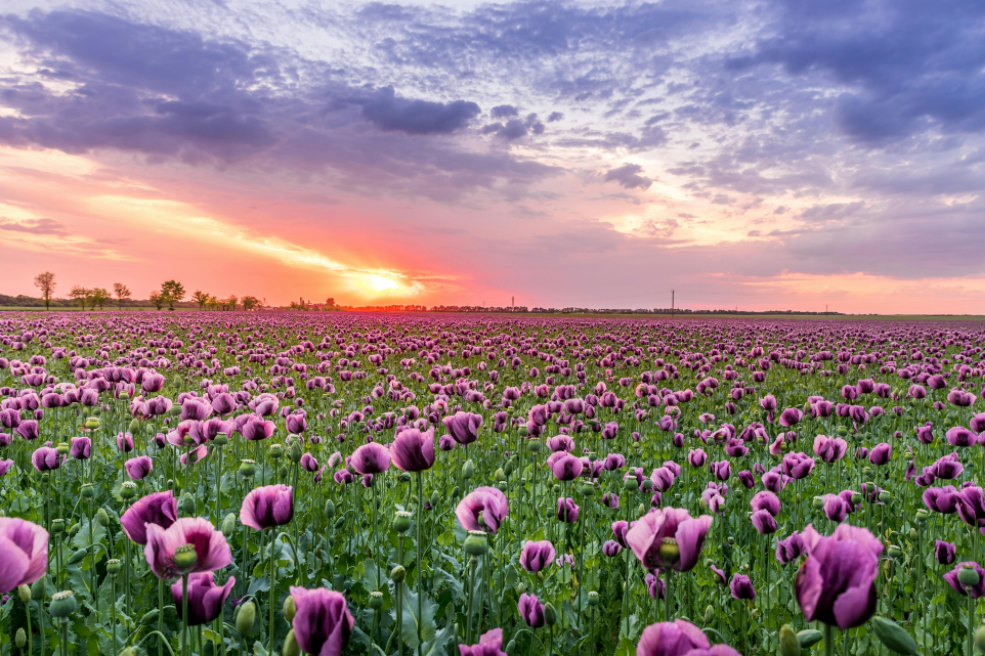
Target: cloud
(420,117)
(504,111)
(34,227)
(628,176)
(514,128)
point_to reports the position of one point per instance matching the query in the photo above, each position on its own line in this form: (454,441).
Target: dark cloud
(555,116)
(629,177)
(514,128)
(504,111)
(388,112)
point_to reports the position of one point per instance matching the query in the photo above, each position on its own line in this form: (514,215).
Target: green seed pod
(968,576)
(534,445)
(221,439)
(522,431)
(102,518)
(20,638)
(57,526)
(329,510)
(401,521)
(77,557)
(188,505)
(593,598)
(86,491)
(398,574)
(893,636)
(647,485)
(817,502)
(63,604)
(468,469)
(245,617)
(129,651)
(921,516)
(289,609)
(789,645)
(809,637)
(502,486)
(376,600)
(894,551)
(24,593)
(229,525)
(276,451)
(150,617)
(185,557)
(38,588)
(885,496)
(550,615)
(247,468)
(63,448)
(476,543)
(291,647)
(128,490)
(630,484)
(92,423)
(856,498)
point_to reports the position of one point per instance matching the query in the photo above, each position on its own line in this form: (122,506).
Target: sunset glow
(648,148)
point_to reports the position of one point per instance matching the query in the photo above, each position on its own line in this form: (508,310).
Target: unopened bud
(290,609)
(329,509)
(245,616)
(789,645)
(291,647)
(550,615)
(229,525)
(24,593)
(468,469)
(38,588)
(87,492)
(20,638)
(809,637)
(188,505)
(398,574)
(980,638)
(893,636)
(102,518)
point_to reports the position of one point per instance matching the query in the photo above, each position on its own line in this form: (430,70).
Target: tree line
(170,294)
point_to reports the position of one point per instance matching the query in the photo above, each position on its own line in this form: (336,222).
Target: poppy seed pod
(63,604)
(967,576)
(376,600)
(476,544)
(401,521)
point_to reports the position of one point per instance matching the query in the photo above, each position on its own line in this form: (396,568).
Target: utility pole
(513,303)
(671,303)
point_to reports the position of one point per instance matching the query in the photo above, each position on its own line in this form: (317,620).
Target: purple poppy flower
(371,458)
(81,448)
(205,598)
(412,450)
(697,457)
(138,468)
(210,545)
(881,454)
(490,644)
(463,426)
(767,501)
(46,458)
(790,549)
(834,507)
(267,507)
(567,510)
(611,548)
(836,584)
(565,466)
(531,610)
(677,638)
(976,591)
(535,556)
(25,553)
(830,449)
(322,624)
(651,536)
(797,465)
(486,501)
(945,552)
(741,587)
(763,522)
(160,508)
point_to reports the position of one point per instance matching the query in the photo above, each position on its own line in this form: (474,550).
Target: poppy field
(258,483)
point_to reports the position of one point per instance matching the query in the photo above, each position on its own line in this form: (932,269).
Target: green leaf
(409,628)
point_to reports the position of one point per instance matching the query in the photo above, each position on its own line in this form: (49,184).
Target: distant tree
(98,297)
(157,300)
(213,303)
(121,292)
(250,302)
(330,301)
(201,298)
(230,303)
(46,283)
(172,292)
(80,294)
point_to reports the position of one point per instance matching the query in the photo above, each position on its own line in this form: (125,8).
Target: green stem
(668,594)
(971,626)
(272,601)
(829,647)
(420,572)
(184,614)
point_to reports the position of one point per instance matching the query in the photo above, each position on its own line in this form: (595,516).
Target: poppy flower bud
(894,636)
(77,557)
(521,587)
(20,638)
(129,651)
(967,576)
(24,593)
(476,543)
(329,509)
(913,534)
(291,647)
(499,474)
(550,615)
(134,426)
(508,469)
(980,638)
(229,524)
(38,587)
(290,609)
(102,518)
(809,637)
(404,477)
(245,617)
(247,468)
(468,469)
(641,510)
(789,645)
(401,522)
(128,490)
(188,505)
(435,498)
(709,614)
(398,574)
(511,646)
(63,604)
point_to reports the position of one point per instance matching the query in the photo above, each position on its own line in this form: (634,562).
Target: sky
(774,154)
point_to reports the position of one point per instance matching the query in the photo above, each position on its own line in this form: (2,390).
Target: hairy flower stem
(272,601)
(420,572)
(829,647)
(184,614)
